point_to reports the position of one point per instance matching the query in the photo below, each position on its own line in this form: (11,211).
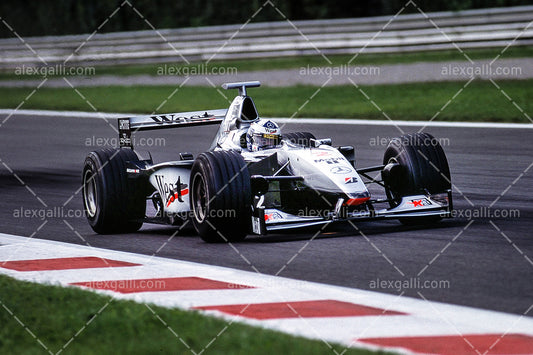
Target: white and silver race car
(229,191)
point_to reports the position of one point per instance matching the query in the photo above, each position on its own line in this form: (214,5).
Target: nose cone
(326,169)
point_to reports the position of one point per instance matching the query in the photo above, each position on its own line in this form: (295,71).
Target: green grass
(480,101)
(302,61)
(55,315)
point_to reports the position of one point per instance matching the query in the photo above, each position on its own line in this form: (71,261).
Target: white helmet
(263,134)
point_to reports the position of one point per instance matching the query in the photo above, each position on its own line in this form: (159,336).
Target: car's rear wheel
(299,138)
(112,202)
(221,196)
(421,168)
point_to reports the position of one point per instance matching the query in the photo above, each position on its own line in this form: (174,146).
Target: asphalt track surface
(485,261)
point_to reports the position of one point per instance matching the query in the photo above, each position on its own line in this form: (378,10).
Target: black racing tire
(299,138)
(221,197)
(423,169)
(112,202)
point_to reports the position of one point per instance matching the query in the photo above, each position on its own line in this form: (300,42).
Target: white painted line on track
(363,122)
(335,121)
(74,114)
(418,318)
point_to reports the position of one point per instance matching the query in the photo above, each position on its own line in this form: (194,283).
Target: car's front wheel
(421,167)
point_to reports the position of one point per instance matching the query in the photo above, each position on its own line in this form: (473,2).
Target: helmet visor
(265,140)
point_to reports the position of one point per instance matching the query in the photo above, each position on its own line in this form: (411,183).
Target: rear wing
(128,125)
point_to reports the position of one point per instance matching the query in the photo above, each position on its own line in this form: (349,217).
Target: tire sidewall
(202,227)
(92,164)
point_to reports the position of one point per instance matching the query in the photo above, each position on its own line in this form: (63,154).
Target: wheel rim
(199,198)
(90,194)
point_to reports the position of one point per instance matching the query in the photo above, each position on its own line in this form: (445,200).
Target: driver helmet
(263,134)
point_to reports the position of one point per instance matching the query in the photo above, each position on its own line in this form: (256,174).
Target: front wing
(271,219)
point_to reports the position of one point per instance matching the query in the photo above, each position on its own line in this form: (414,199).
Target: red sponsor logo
(321,153)
(350,180)
(420,203)
(272,216)
(177,196)
(178,190)
(416,203)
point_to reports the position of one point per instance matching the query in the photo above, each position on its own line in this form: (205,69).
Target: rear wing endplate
(128,125)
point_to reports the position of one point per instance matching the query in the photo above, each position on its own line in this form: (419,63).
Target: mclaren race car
(239,187)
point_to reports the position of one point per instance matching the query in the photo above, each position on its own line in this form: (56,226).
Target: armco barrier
(411,32)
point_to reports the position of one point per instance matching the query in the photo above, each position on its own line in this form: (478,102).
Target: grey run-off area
(512,69)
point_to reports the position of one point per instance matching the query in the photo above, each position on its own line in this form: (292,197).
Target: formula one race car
(255,180)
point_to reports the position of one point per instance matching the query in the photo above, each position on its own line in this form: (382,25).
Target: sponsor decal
(167,118)
(172,118)
(124,124)
(256,225)
(132,171)
(320,153)
(125,140)
(272,216)
(420,203)
(270,125)
(341,170)
(173,192)
(350,180)
(329,160)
